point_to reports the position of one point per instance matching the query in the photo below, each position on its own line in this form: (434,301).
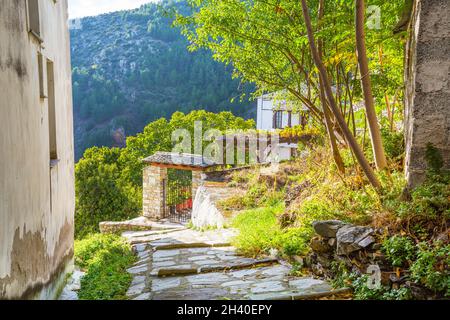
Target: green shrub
(101,193)
(105,259)
(341,275)
(293,241)
(434,159)
(258,195)
(108,181)
(259,232)
(363,292)
(429,200)
(393,142)
(432,267)
(399,250)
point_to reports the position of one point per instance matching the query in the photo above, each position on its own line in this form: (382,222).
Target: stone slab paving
(258,284)
(200,260)
(137,224)
(195,265)
(192,238)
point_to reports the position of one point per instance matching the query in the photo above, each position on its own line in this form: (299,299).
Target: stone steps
(193,265)
(175,271)
(138,224)
(192,245)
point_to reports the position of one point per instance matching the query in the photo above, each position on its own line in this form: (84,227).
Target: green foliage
(101,193)
(266,43)
(306,136)
(341,275)
(429,266)
(258,195)
(105,259)
(259,232)
(131,68)
(157,136)
(330,196)
(108,180)
(359,283)
(363,292)
(402,293)
(399,250)
(393,142)
(430,200)
(434,159)
(432,267)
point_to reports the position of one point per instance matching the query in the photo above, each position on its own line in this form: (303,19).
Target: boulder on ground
(204,212)
(320,245)
(327,228)
(353,238)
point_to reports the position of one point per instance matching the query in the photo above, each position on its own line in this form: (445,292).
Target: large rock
(204,212)
(320,245)
(327,228)
(353,238)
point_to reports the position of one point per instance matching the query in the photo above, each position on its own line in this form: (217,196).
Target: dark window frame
(278,120)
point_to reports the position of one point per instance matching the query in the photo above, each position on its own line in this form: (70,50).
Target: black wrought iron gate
(178,195)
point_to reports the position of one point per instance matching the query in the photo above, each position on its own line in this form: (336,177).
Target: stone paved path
(187,264)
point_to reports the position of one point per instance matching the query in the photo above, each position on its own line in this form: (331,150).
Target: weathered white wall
(427,76)
(36,243)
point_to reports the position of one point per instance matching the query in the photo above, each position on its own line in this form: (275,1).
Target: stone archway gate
(170,183)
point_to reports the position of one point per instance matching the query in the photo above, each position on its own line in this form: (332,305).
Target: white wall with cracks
(37,200)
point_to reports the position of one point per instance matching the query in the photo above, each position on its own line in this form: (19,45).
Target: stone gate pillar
(153,192)
(427,92)
(196,182)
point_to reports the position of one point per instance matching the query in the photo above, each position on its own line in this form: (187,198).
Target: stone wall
(340,247)
(153,188)
(37,199)
(427,95)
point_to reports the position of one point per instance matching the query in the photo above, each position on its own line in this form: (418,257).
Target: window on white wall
(278,120)
(42,76)
(51,112)
(34,19)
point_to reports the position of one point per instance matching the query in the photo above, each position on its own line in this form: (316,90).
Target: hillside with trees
(342,210)
(131,68)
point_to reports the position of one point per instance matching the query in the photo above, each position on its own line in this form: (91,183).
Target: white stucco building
(273,113)
(37,196)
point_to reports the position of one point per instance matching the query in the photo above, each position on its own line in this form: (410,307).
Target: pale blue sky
(83,8)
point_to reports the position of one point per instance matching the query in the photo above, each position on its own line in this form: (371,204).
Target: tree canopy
(109,180)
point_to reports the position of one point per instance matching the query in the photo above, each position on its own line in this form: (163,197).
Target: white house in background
(275,113)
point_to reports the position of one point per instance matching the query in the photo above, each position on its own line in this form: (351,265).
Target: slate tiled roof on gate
(181,159)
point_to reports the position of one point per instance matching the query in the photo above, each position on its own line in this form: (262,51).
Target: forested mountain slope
(131,67)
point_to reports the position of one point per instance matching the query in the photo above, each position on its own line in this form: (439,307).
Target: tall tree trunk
(332,103)
(326,111)
(374,129)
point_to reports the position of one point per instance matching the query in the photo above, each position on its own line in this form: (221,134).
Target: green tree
(101,194)
(267,43)
(108,181)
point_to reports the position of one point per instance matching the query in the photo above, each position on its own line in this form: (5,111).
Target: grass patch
(105,259)
(259,232)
